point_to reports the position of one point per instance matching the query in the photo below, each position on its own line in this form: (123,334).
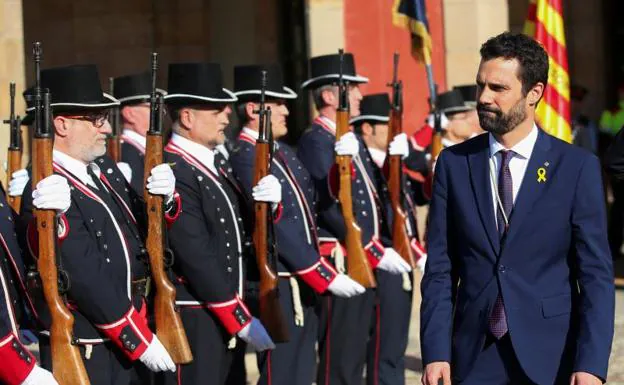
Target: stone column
(325,26)
(11,70)
(467,24)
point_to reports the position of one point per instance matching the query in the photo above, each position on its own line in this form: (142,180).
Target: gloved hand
(393,263)
(156,357)
(347,145)
(399,146)
(444,122)
(268,189)
(162,182)
(19,180)
(39,376)
(125,170)
(421,263)
(345,287)
(256,335)
(52,193)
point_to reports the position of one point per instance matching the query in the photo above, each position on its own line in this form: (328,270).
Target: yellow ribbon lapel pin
(541,173)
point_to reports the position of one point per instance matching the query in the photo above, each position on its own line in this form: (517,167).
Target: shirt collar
(378,156)
(524,148)
(250,132)
(200,152)
(330,123)
(135,136)
(76,167)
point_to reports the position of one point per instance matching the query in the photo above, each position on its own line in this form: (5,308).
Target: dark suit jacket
(554,269)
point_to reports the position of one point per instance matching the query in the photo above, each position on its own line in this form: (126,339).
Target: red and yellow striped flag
(545,24)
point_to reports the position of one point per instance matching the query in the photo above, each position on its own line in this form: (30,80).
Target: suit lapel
(479,167)
(531,189)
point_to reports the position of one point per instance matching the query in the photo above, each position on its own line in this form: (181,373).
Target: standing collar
(135,137)
(326,122)
(76,167)
(250,132)
(200,152)
(524,148)
(378,156)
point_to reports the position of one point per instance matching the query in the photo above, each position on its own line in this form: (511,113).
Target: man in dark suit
(518,286)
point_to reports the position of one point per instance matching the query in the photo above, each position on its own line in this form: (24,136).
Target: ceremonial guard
(303,272)
(101,257)
(391,316)
(210,237)
(344,331)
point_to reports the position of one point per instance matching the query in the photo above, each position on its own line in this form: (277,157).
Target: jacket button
(502,268)
(229,269)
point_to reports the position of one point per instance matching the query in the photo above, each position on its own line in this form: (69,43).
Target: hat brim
(451,110)
(370,118)
(135,99)
(287,94)
(107,101)
(226,96)
(332,78)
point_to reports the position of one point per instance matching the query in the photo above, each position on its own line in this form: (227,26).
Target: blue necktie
(498,319)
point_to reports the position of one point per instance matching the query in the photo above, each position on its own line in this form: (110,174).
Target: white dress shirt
(200,152)
(77,167)
(517,164)
(135,137)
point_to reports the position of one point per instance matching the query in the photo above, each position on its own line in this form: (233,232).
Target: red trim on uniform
(419,250)
(119,198)
(319,276)
(141,339)
(269,381)
(133,143)
(375,251)
(247,138)
(414,175)
(333,179)
(423,137)
(377,344)
(326,248)
(328,341)
(171,218)
(65,233)
(227,314)
(179,370)
(17,361)
(318,120)
(277,214)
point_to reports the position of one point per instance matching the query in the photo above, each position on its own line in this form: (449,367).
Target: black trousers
(343,336)
(105,365)
(293,362)
(388,342)
(212,360)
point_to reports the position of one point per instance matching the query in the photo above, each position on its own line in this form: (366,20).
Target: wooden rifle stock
(358,266)
(14,156)
(169,327)
(271,313)
(436,145)
(400,238)
(113,144)
(67,365)
(14,152)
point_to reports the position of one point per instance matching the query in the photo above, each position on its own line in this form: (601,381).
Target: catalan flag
(411,14)
(545,24)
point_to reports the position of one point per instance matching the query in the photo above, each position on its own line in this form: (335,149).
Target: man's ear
(329,97)
(61,126)
(186,118)
(367,129)
(535,94)
(127,114)
(249,111)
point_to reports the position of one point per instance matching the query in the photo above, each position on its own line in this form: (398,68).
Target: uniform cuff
(174,211)
(277,212)
(233,314)
(17,361)
(130,333)
(375,251)
(318,276)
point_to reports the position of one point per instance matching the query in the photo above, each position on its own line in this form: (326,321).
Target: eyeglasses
(97,119)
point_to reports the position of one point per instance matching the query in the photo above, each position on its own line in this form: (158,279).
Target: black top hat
(248,82)
(374,108)
(134,89)
(451,101)
(29,117)
(75,88)
(326,70)
(197,83)
(469,93)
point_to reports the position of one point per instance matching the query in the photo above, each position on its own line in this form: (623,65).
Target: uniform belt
(141,287)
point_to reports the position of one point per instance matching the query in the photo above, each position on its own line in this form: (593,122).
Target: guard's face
(355,97)
(501,102)
(279,113)
(86,134)
(209,123)
(376,135)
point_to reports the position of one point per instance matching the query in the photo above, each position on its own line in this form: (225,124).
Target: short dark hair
(530,54)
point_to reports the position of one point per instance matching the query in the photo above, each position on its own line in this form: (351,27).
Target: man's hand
(436,371)
(582,378)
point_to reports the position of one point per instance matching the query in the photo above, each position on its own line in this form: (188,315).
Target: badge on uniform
(541,173)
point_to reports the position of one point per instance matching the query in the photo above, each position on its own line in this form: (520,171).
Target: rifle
(400,239)
(271,313)
(113,146)
(169,327)
(67,365)
(14,153)
(357,262)
(436,144)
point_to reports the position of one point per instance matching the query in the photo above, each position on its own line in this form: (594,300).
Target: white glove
(52,193)
(393,263)
(162,181)
(156,357)
(421,263)
(19,180)
(268,189)
(399,146)
(256,335)
(39,376)
(125,170)
(444,122)
(345,287)
(347,145)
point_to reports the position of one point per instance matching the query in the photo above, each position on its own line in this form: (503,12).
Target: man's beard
(501,123)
